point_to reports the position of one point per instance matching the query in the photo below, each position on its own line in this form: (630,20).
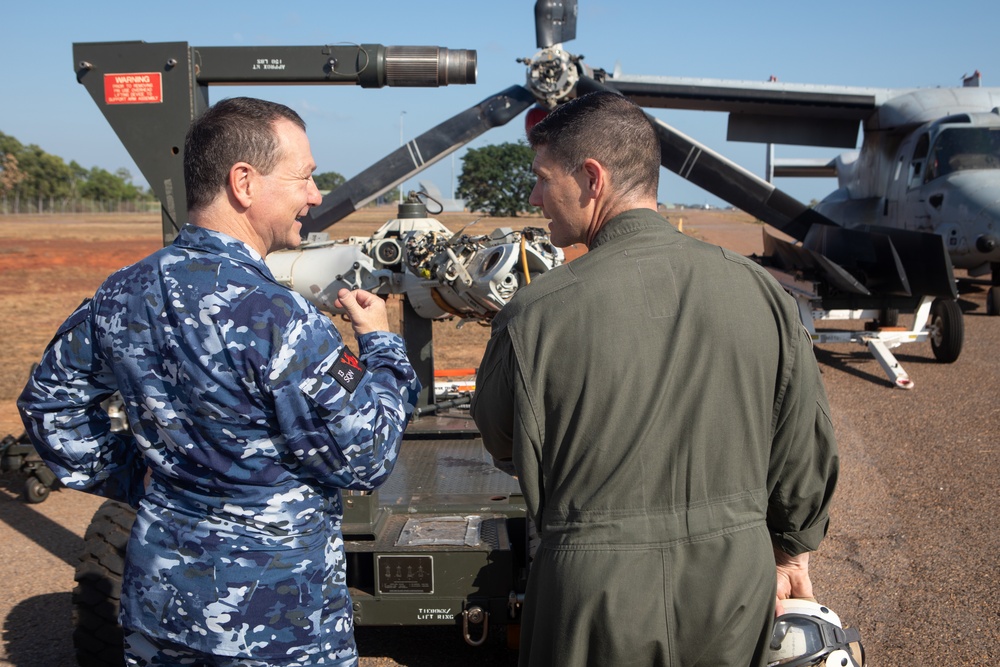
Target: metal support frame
(150,92)
(418,334)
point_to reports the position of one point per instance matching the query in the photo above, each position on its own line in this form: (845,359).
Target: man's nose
(534,198)
(315,198)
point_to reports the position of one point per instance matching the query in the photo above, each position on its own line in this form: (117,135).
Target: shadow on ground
(38,632)
(25,519)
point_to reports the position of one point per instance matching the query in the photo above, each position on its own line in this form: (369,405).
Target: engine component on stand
(442,273)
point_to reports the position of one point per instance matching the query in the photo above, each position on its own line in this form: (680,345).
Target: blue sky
(886,44)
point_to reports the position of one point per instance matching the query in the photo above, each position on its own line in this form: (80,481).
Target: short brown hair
(238,129)
(610,129)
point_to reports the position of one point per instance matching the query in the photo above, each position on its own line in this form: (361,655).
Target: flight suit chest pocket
(658,285)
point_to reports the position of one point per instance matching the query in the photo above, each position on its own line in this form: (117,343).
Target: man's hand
(365,311)
(793,578)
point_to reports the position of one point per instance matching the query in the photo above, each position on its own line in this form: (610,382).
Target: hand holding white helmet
(810,634)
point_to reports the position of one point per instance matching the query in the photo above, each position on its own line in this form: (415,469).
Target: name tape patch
(348,370)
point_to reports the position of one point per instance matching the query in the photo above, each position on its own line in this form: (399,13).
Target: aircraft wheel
(947,330)
(993,302)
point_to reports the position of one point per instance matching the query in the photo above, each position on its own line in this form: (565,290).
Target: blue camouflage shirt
(250,414)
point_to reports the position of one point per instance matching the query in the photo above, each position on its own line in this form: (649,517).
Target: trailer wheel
(993,301)
(947,330)
(35,491)
(97,635)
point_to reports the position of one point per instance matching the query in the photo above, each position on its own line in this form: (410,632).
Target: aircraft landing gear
(947,330)
(993,301)
(993,295)
(888,317)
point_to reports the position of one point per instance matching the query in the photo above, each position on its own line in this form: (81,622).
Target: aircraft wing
(803,114)
(772,97)
(765,111)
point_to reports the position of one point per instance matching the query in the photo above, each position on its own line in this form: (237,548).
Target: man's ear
(597,177)
(242,179)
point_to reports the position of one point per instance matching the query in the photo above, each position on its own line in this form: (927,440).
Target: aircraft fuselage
(942,177)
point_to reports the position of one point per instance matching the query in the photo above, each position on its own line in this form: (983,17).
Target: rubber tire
(97,635)
(947,330)
(993,301)
(35,491)
(888,317)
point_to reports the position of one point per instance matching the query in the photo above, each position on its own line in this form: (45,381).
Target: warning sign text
(133,88)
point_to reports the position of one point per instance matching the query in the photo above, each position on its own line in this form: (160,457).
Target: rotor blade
(417,155)
(555,22)
(725,179)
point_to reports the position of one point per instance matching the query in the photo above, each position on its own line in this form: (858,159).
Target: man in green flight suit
(661,404)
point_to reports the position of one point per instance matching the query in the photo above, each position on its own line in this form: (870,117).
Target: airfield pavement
(911,559)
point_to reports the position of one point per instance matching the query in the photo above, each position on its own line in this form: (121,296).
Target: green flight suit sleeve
(493,403)
(804,462)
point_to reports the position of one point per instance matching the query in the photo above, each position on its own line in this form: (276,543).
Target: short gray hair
(238,129)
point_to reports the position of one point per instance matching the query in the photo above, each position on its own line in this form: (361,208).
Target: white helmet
(810,634)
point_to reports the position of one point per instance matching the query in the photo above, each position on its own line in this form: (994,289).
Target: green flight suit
(662,406)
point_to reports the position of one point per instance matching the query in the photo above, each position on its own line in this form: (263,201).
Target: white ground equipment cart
(826,294)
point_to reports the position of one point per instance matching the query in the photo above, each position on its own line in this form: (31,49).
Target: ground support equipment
(18,454)
(878,339)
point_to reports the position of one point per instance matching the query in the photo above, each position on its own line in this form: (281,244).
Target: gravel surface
(911,557)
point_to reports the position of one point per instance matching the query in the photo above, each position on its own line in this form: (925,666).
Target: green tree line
(495,179)
(32,180)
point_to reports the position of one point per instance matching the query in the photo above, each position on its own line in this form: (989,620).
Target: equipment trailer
(443,542)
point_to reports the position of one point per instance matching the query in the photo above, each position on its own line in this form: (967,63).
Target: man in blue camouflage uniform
(249,414)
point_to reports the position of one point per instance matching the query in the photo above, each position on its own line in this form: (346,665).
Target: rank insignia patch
(348,370)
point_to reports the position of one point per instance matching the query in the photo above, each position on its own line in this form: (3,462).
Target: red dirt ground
(48,265)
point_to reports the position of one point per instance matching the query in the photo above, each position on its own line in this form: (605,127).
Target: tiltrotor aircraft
(929,160)
(914,202)
(902,218)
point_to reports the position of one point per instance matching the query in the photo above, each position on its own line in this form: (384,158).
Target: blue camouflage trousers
(143,651)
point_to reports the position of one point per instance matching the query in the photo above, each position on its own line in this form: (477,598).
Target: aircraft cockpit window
(917,164)
(960,149)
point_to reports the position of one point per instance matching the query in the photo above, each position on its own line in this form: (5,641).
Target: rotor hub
(552,74)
